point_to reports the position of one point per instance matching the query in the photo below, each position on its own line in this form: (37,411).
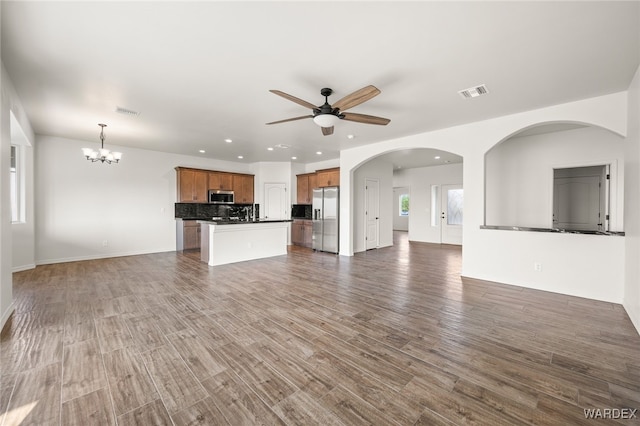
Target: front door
(275,201)
(372,213)
(451,204)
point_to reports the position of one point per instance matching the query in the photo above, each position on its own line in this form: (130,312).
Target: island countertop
(240,222)
(233,241)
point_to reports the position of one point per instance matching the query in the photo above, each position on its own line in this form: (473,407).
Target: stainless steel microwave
(217,196)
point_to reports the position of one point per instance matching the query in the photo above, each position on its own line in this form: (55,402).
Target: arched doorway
(423,172)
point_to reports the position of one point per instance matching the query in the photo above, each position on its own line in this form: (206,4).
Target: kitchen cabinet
(221,180)
(189,235)
(305,184)
(192,185)
(243,188)
(328,177)
(301,231)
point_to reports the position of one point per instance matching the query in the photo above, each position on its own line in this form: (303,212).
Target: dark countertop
(551,230)
(240,222)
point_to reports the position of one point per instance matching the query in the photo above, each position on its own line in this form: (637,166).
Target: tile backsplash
(208,211)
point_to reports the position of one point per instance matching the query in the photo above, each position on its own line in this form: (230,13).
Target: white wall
(80,204)
(519,174)
(569,261)
(400,223)
(382,171)
(420,181)
(9,102)
(320,165)
(632,205)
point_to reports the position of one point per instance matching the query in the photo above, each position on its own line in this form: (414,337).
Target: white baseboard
(99,256)
(6,315)
(23,267)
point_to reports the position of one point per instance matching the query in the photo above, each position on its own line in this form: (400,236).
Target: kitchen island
(224,242)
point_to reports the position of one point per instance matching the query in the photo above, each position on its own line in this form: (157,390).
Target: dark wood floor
(390,336)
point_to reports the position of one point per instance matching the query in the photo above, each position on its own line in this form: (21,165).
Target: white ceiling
(200,72)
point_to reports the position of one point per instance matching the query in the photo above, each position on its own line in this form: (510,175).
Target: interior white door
(577,203)
(275,201)
(371,213)
(452,203)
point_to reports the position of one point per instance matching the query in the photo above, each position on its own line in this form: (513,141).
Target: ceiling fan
(326,116)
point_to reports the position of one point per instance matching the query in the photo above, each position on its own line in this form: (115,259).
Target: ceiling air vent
(474,92)
(126,111)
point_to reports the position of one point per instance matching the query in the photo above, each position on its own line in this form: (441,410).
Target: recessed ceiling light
(294,158)
(228,140)
(319,152)
(270,149)
(202,151)
(240,157)
(350,136)
(437,157)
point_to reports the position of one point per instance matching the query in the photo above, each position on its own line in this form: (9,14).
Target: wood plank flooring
(388,337)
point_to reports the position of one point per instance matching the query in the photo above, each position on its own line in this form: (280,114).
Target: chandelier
(103,155)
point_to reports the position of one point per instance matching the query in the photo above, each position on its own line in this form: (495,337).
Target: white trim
(100,256)
(23,267)
(6,315)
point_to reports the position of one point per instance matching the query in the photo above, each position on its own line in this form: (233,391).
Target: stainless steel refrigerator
(326,203)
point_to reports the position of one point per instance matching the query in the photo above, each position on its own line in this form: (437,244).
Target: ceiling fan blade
(291,119)
(294,99)
(356,98)
(367,119)
(327,131)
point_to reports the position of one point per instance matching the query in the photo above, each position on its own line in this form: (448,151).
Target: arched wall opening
(519,172)
(422,171)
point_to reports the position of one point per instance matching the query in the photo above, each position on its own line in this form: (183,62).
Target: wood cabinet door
(243,189)
(186,185)
(297,232)
(201,186)
(226,181)
(220,180)
(191,235)
(303,189)
(313,183)
(329,177)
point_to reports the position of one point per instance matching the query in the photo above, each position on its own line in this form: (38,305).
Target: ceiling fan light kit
(327,116)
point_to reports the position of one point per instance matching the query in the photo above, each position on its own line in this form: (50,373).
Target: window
(403,201)
(17,174)
(14,182)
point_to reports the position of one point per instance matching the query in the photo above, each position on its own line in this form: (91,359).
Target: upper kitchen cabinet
(193,185)
(306,183)
(328,177)
(221,180)
(243,188)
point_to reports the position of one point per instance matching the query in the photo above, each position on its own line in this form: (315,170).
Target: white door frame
(449,234)
(375,215)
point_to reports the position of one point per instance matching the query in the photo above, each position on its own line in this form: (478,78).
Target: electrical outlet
(537,266)
(105,243)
